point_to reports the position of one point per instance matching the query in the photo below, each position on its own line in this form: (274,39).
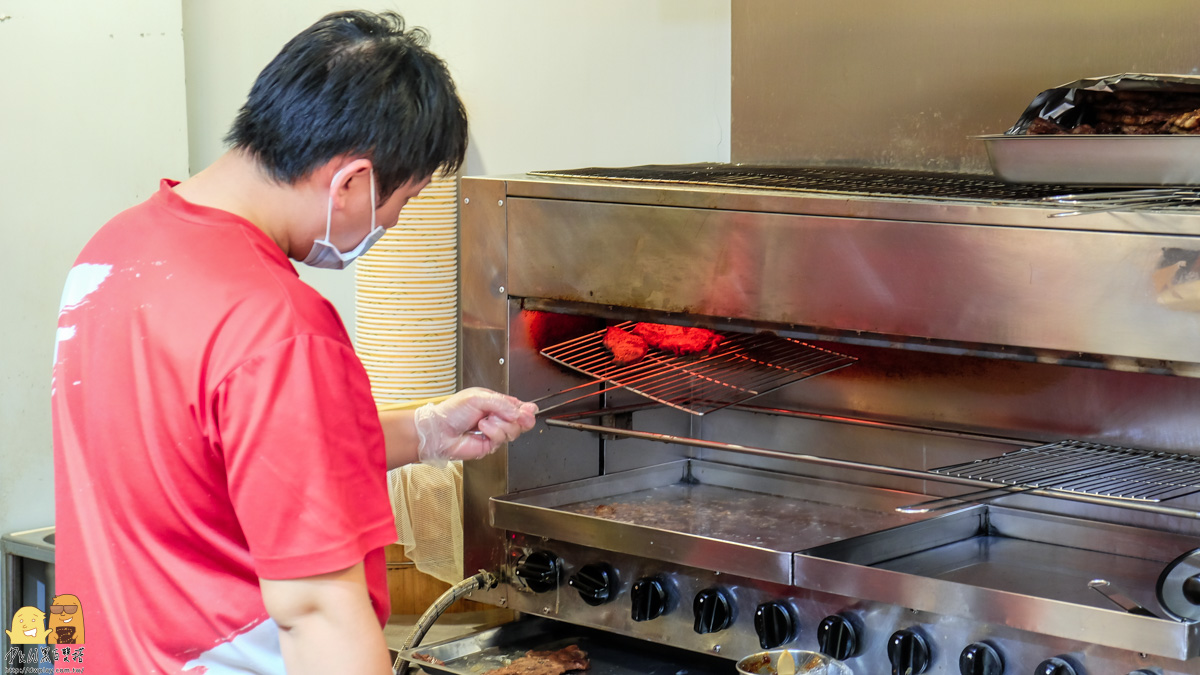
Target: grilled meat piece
(1042,127)
(626,348)
(558,662)
(677,339)
(427,658)
(1185,123)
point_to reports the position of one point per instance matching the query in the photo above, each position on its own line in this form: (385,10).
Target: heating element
(1090,468)
(742,366)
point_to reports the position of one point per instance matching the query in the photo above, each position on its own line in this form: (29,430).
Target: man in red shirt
(220,464)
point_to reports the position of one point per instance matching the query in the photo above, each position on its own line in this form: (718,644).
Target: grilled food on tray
(558,662)
(1128,112)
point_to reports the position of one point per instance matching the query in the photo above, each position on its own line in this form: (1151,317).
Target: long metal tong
(1124,200)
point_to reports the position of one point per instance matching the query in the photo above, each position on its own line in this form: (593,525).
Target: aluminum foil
(1060,104)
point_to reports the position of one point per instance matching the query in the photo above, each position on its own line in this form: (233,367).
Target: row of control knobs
(775,623)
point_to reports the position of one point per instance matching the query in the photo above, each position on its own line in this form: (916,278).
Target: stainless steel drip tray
(1026,570)
(714,516)
(608,653)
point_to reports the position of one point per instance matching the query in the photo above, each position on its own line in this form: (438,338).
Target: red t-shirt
(212,425)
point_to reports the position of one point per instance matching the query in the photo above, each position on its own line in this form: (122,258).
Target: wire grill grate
(836,180)
(742,367)
(1089,468)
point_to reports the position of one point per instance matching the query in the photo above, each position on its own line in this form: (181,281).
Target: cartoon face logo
(28,627)
(66,621)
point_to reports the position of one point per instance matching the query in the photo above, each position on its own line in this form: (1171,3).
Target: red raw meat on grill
(626,348)
(677,339)
(558,662)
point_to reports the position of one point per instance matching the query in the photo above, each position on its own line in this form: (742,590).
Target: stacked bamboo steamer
(406,299)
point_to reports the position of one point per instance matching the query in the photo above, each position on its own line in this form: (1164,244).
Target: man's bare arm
(327,624)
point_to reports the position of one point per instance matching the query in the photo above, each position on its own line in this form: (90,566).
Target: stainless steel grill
(742,367)
(966,306)
(1089,468)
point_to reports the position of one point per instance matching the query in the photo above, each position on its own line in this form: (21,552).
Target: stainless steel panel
(1027,572)
(907,85)
(1021,650)
(1097,160)
(1038,402)
(722,517)
(1006,286)
(483,259)
(815,204)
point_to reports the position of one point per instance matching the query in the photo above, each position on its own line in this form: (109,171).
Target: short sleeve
(305,458)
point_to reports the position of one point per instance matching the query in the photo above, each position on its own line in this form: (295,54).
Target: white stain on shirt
(82,281)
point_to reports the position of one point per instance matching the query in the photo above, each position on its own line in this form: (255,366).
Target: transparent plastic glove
(445,429)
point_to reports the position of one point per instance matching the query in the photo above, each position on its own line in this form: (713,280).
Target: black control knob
(980,658)
(775,624)
(650,598)
(1143,671)
(541,571)
(908,653)
(713,609)
(837,637)
(1054,666)
(597,583)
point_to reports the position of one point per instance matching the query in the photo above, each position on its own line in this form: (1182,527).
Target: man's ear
(346,172)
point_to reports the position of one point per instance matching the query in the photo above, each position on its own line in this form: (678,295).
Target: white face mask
(324,254)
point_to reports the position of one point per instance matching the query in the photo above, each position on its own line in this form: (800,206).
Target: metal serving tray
(719,517)
(1026,570)
(608,653)
(1095,159)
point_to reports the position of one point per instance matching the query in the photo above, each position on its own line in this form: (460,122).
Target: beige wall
(92,115)
(547,83)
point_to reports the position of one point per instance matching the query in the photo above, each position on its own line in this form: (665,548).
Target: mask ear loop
(329,211)
(371,173)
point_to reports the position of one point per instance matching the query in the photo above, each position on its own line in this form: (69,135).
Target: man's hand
(445,430)
(327,624)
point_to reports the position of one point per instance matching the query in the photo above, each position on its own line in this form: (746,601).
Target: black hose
(482,580)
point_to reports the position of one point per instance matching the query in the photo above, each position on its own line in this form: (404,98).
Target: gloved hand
(444,429)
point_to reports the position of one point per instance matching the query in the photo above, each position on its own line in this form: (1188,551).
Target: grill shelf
(742,367)
(835,180)
(893,183)
(1091,469)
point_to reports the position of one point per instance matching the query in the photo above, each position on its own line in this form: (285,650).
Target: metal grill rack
(742,367)
(1089,468)
(835,180)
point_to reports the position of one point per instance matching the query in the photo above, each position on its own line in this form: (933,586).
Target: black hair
(355,83)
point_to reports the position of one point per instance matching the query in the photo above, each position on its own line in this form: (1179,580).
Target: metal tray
(1097,159)
(609,653)
(1029,571)
(726,518)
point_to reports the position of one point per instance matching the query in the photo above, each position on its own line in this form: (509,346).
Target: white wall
(548,84)
(92,114)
